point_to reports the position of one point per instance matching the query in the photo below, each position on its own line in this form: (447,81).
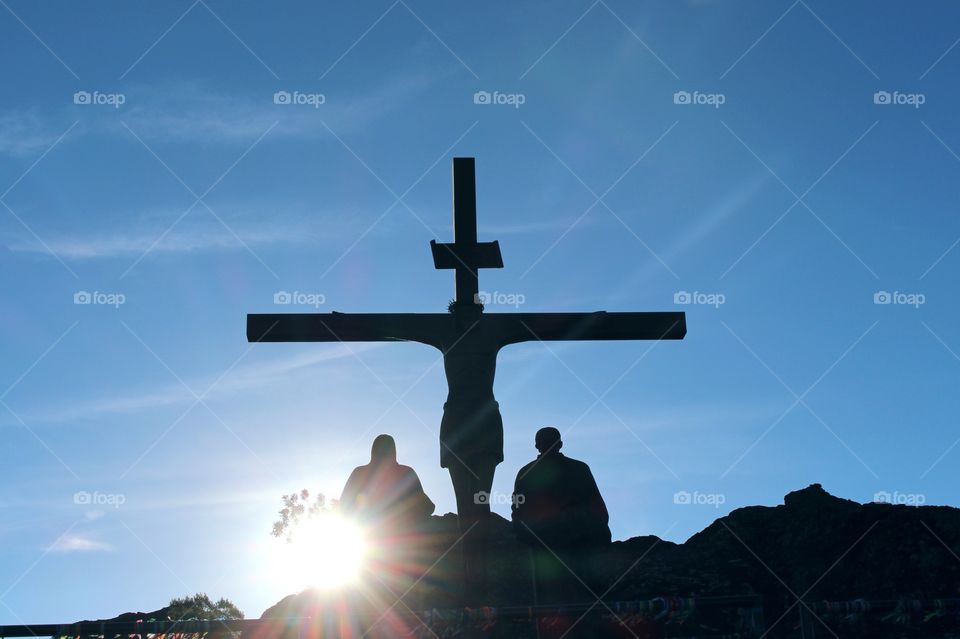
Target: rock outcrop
(815,546)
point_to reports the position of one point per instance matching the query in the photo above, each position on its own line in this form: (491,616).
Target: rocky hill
(863,570)
(815,546)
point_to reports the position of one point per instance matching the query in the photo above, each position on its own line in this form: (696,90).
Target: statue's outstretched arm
(512,328)
(426,328)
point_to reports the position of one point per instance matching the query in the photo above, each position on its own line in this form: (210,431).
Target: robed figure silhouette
(388,501)
(384,496)
(559,513)
(556,502)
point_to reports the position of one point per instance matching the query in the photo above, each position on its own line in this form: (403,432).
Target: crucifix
(471,430)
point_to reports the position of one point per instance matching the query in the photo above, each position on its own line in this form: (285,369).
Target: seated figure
(383,495)
(556,502)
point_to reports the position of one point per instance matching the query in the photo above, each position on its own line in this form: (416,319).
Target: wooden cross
(471,432)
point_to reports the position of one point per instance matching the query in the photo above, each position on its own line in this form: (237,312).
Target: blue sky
(783,196)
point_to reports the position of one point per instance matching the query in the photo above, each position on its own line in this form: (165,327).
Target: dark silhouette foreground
(874,571)
(556,502)
(843,550)
(559,514)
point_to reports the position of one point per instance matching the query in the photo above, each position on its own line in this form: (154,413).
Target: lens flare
(325,552)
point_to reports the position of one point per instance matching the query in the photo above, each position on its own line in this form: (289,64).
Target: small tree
(200,607)
(297,506)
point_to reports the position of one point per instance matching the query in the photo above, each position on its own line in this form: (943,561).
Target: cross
(471,431)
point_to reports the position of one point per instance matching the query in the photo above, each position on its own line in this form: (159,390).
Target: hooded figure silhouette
(383,494)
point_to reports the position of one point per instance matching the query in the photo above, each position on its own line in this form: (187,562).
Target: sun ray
(326,552)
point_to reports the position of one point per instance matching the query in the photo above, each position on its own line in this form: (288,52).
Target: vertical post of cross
(467,283)
(465,256)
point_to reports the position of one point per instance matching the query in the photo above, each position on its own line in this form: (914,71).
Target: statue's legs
(472,481)
(471,446)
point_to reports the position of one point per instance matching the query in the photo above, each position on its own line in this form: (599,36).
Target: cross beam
(429,328)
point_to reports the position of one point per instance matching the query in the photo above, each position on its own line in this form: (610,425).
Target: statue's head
(384,449)
(466,313)
(548,440)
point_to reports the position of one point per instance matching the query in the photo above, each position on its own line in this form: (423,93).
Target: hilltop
(815,546)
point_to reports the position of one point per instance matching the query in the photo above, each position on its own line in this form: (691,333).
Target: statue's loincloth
(471,432)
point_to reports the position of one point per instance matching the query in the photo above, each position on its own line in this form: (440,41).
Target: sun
(325,552)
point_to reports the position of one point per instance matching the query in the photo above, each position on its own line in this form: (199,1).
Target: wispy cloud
(261,374)
(134,244)
(522,228)
(187,237)
(707,415)
(78,543)
(192,112)
(25,133)
(161,231)
(734,201)
(702,229)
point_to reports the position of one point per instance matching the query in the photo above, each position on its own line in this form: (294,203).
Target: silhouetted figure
(558,511)
(383,495)
(471,430)
(556,501)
